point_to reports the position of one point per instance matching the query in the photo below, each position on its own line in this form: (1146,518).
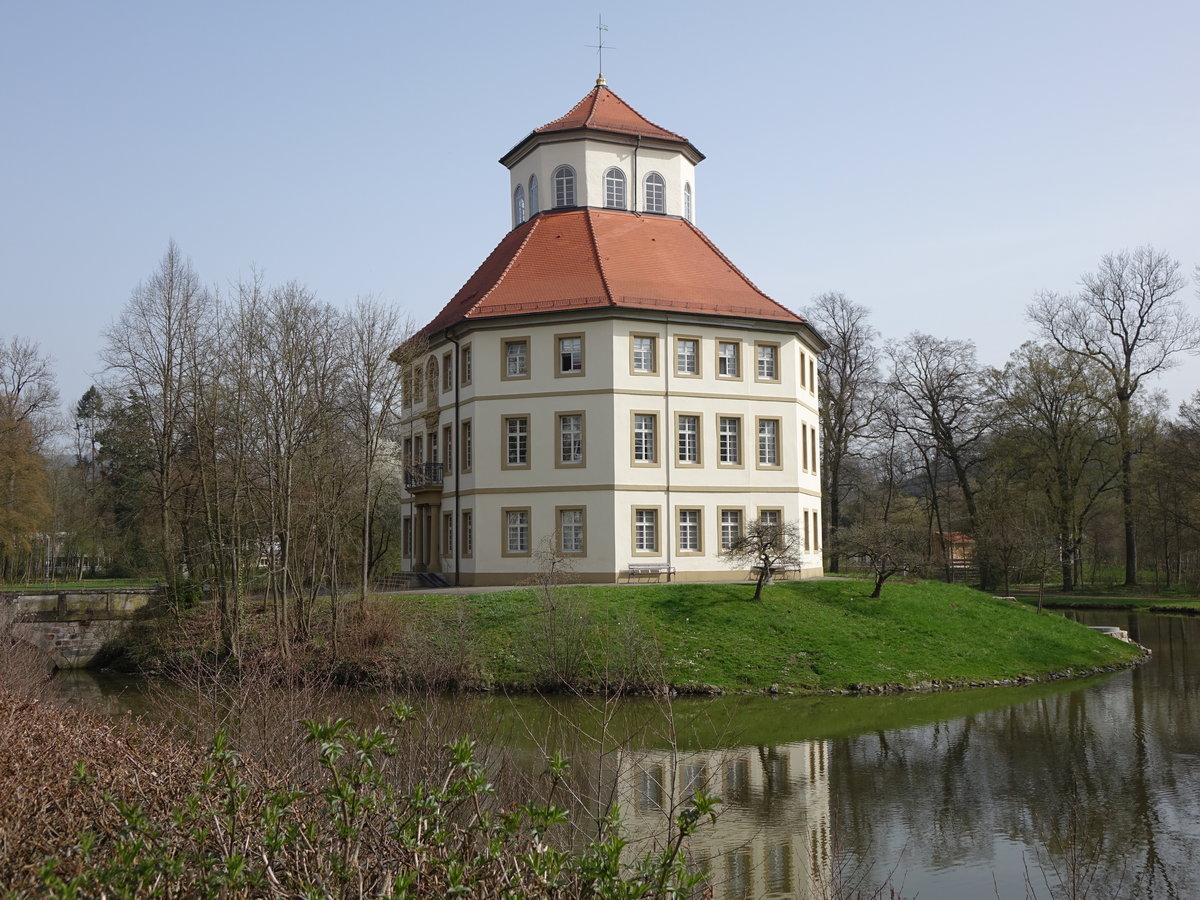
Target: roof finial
(601,28)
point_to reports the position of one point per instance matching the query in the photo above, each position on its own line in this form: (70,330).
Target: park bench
(650,570)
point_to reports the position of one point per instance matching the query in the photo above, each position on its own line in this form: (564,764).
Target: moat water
(1070,789)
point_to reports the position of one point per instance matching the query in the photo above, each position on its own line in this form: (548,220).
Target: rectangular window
(406,537)
(516,532)
(570,355)
(803,382)
(464,365)
(768,443)
(516,441)
(409,459)
(570,531)
(687,356)
(433,447)
(516,358)
(447,449)
(816,531)
(570,439)
(804,446)
(467,446)
(728,359)
(729,442)
(689,531)
(766,362)
(644,356)
(812,376)
(447,534)
(645,530)
(447,371)
(645,425)
(772,517)
(812,439)
(731,527)
(468,533)
(689,439)
(418,449)
(806,532)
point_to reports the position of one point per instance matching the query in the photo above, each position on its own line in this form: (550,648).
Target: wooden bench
(649,570)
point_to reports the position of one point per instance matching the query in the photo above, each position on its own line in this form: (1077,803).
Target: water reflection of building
(772,838)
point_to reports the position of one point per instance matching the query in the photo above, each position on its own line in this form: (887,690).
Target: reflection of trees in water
(1101,777)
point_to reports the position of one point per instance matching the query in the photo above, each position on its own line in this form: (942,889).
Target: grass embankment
(803,636)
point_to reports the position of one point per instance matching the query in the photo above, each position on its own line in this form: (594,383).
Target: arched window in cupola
(564,187)
(656,193)
(533,196)
(614,189)
(518,206)
(687,202)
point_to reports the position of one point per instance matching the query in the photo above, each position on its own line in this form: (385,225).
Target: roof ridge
(533,226)
(704,237)
(612,300)
(640,116)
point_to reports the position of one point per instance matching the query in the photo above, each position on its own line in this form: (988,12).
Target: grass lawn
(86,584)
(803,636)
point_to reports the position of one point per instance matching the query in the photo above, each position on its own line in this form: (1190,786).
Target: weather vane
(600,45)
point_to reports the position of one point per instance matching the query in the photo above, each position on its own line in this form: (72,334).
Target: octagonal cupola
(602,154)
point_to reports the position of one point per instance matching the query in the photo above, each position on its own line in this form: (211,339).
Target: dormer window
(564,187)
(533,196)
(614,189)
(656,193)
(687,202)
(518,205)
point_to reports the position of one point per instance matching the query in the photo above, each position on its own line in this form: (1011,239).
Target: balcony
(423,476)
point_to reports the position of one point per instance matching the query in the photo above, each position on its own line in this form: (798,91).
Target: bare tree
(373,389)
(1054,408)
(941,403)
(28,392)
(767,546)
(849,376)
(148,353)
(1129,320)
(888,547)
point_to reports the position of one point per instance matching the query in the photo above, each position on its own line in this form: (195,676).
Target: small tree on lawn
(767,546)
(887,547)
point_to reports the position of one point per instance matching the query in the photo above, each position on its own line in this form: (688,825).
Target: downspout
(669,429)
(635,173)
(455,453)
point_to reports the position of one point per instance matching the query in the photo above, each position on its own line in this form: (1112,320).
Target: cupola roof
(602,111)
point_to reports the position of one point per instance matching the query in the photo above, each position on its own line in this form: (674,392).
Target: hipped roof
(583,259)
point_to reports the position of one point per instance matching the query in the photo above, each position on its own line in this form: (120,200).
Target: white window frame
(729,526)
(510,371)
(729,366)
(729,441)
(533,196)
(645,530)
(645,438)
(570,354)
(687,440)
(572,536)
(571,446)
(655,190)
(519,206)
(517,523)
(766,362)
(564,187)
(689,535)
(516,441)
(614,189)
(768,443)
(643,359)
(687,361)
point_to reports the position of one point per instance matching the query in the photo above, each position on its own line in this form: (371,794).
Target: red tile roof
(602,110)
(595,259)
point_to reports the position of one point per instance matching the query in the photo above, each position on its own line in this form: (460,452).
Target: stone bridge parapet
(72,626)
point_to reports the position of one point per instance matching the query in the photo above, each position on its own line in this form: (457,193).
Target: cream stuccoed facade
(607,383)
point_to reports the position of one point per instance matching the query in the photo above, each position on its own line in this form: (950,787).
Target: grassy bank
(803,636)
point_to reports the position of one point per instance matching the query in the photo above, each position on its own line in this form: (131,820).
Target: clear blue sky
(938,162)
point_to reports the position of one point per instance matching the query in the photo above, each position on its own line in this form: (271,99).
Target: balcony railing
(423,475)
